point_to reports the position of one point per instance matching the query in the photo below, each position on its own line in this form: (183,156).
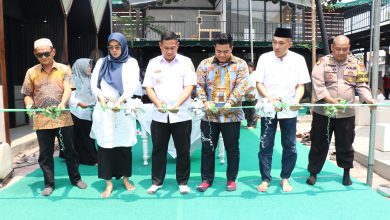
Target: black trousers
(250,113)
(387,92)
(230,134)
(344,131)
(84,145)
(46,151)
(181,134)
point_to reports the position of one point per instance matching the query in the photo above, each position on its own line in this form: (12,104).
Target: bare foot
(263,186)
(107,192)
(286,187)
(127,184)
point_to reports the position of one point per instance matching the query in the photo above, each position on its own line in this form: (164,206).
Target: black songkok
(283,32)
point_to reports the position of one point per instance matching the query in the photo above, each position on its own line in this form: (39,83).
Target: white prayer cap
(42,42)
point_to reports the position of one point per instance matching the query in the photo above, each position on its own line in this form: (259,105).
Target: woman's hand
(82,105)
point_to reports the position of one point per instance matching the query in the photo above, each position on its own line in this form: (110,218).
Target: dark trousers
(387,92)
(181,134)
(344,131)
(288,127)
(84,145)
(230,134)
(250,113)
(46,151)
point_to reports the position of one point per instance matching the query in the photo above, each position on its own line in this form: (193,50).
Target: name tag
(350,68)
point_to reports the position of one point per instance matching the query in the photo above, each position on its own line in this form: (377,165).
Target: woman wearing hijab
(82,98)
(114,80)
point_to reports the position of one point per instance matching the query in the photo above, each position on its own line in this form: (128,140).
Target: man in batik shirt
(47,85)
(222,81)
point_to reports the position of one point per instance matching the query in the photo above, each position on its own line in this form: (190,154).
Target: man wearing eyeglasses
(48,84)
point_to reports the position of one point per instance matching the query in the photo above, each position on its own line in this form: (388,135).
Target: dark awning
(206,43)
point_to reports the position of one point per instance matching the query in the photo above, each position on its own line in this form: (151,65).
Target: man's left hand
(295,106)
(61,106)
(174,109)
(372,101)
(225,108)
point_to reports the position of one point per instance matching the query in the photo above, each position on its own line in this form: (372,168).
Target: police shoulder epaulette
(320,61)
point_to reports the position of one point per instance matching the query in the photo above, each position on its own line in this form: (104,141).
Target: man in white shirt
(281,75)
(169,81)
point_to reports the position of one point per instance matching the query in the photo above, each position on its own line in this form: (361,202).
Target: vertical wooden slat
(4,74)
(65,46)
(96,46)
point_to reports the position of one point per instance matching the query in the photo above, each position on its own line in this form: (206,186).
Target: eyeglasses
(114,47)
(40,55)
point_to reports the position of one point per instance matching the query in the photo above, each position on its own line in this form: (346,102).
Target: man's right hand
(30,105)
(335,101)
(162,107)
(332,100)
(206,105)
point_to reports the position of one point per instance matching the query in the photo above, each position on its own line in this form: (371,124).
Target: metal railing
(191,30)
(359,18)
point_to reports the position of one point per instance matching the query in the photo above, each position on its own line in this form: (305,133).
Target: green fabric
(328,199)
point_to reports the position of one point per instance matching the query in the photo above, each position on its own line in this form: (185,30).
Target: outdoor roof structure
(205,43)
(146,2)
(141,2)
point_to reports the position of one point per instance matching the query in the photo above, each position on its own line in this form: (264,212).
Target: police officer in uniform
(336,77)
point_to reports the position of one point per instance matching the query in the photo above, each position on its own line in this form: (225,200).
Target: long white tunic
(114,129)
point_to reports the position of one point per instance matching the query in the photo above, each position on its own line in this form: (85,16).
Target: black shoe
(346,178)
(312,179)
